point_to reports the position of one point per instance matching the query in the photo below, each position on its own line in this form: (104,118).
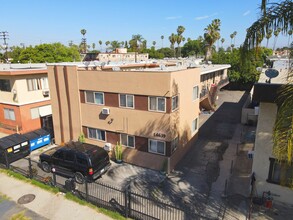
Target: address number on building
(160,135)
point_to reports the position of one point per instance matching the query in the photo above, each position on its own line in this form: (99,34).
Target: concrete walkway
(46,204)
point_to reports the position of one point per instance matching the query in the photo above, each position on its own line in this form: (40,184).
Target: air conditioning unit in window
(106,111)
(108,147)
(46,92)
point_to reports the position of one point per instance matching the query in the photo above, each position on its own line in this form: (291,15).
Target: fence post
(231,169)
(126,201)
(30,168)
(54,179)
(86,190)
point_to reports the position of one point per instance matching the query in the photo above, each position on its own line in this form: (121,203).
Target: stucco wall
(263,150)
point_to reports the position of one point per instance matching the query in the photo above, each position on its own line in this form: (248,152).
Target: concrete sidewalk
(46,204)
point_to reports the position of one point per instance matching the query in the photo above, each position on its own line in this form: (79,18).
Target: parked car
(76,160)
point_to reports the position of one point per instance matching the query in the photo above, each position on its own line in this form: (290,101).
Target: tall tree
(180,30)
(93,46)
(100,42)
(211,35)
(231,36)
(162,38)
(222,41)
(154,43)
(276,34)
(107,43)
(234,36)
(136,43)
(114,45)
(289,37)
(173,39)
(268,36)
(83,41)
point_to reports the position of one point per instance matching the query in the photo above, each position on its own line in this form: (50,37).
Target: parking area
(119,175)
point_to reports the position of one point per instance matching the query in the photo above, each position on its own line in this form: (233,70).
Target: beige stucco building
(24,98)
(152,111)
(268,172)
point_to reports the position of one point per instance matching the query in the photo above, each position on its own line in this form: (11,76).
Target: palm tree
(107,43)
(93,46)
(83,41)
(234,36)
(277,16)
(180,30)
(162,37)
(154,43)
(276,33)
(178,40)
(211,35)
(183,40)
(188,39)
(100,42)
(231,36)
(289,37)
(173,39)
(144,44)
(136,41)
(268,36)
(222,41)
(114,45)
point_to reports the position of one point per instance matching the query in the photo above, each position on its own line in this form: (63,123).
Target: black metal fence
(125,201)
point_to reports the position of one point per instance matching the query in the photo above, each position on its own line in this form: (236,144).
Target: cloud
(205,17)
(246,13)
(173,17)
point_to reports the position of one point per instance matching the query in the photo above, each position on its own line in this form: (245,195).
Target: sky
(34,22)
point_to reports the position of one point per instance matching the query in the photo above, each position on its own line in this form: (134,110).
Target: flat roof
(282,65)
(22,69)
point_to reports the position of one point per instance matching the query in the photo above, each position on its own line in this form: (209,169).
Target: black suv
(77,160)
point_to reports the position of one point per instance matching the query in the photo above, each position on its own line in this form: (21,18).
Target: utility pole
(4,36)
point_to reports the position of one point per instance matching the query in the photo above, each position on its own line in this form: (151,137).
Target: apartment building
(153,113)
(24,98)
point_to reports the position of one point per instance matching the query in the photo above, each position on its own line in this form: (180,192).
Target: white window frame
(97,139)
(194,122)
(149,147)
(177,107)
(9,114)
(157,97)
(86,101)
(127,140)
(193,95)
(35,84)
(126,97)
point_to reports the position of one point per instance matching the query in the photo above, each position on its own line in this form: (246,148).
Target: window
(37,84)
(194,125)
(81,159)
(59,154)
(127,140)
(126,101)
(174,144)
(69,156)
(35,113)
(9,114)
(157,104)
(5,85)
(195,93)
(157,147)
(96,134)
(95,97)
(175,102)
(280,172)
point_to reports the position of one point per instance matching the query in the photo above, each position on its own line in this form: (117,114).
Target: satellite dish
(271,73)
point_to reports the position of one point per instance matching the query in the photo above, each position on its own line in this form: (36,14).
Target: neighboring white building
(268,172)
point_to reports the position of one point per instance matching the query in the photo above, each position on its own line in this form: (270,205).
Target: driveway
(194,176)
